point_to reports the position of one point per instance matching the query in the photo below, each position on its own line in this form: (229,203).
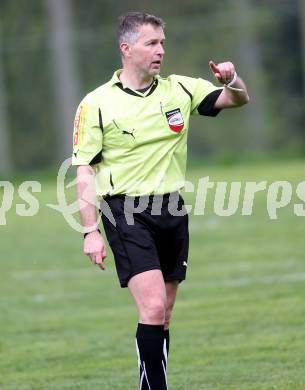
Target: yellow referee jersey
(137,142)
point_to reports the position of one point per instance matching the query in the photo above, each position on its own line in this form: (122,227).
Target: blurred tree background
(52,52)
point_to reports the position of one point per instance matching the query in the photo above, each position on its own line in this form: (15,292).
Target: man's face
(146,54)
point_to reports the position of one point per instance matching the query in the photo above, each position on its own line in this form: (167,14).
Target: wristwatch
(97,230)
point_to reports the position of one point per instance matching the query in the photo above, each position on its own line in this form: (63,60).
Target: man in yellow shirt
(130,139)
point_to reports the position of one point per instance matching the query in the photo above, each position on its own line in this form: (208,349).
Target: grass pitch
(239,318)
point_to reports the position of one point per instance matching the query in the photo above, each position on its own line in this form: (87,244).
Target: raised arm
(234,93)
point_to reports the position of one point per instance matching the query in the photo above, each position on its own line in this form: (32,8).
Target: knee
(154,312)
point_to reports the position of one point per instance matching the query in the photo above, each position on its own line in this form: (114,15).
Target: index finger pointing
(104,254)
(213,66)
(98,259)
(101,265)
(215,69)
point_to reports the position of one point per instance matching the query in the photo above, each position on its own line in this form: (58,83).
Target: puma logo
(129,133)
(124,131)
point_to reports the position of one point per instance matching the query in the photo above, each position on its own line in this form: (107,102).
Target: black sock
(151,359)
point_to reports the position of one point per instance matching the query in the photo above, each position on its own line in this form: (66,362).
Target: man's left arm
(234,93)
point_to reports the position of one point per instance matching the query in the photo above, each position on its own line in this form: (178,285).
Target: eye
(154,43)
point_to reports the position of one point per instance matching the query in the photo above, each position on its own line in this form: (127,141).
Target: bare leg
(171,292)
(149,292)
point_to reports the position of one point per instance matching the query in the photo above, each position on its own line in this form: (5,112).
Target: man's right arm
(94,245)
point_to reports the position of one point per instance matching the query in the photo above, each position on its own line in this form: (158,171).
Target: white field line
(41,298)
(58,274)
(247,281)
(209,223)
(226,283)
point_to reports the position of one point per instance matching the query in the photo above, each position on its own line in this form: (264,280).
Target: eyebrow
(155,40)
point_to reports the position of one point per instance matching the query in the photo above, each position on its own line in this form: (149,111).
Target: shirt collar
(115,78)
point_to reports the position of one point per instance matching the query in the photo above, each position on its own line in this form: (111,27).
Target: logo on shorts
(175,120)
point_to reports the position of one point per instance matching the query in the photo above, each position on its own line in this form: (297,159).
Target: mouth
(158,62)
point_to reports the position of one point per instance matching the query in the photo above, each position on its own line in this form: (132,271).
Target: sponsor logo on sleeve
(175,120)
(77,123)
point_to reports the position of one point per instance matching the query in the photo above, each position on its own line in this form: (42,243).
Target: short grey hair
(129,25)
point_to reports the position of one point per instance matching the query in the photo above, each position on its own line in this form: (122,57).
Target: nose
(160,50)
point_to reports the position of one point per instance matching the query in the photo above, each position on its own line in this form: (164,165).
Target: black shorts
(142,241)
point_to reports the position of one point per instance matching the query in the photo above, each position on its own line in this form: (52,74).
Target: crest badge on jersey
(175,120)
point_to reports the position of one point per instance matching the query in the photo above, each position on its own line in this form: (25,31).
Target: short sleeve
(203,95)
(87,134)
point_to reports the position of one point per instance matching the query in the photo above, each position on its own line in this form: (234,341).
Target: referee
(130,145)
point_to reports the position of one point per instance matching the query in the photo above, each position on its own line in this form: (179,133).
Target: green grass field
(239,321)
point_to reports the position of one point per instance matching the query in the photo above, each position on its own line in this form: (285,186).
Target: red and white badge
(175,120)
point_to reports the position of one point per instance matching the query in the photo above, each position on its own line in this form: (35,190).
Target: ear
(125,49)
